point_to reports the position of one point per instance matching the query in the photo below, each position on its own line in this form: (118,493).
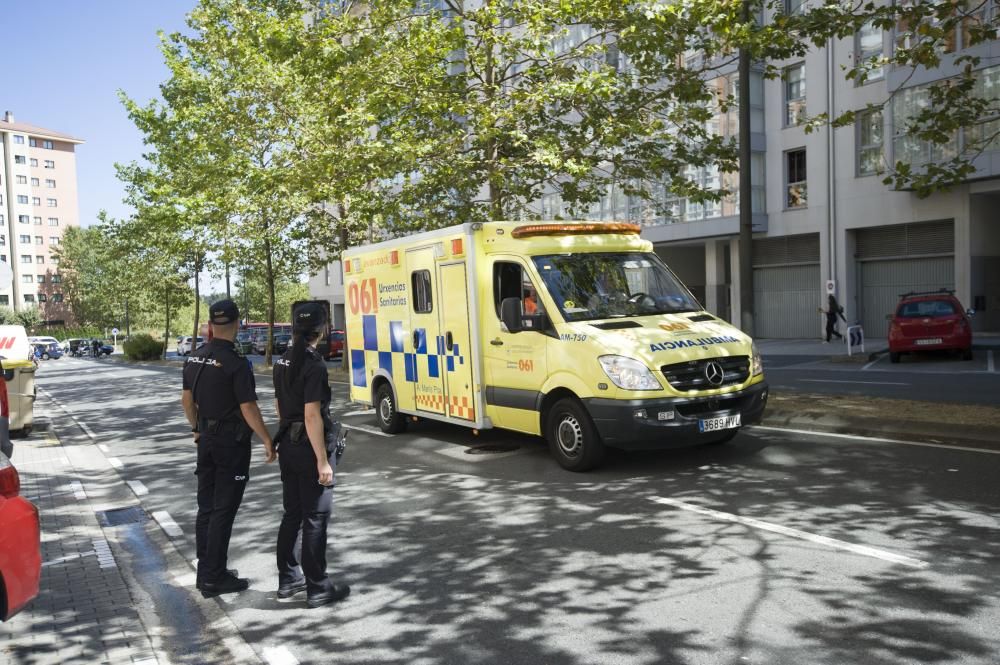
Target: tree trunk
(745,275)
(197,303)
(166,329)
(269,277)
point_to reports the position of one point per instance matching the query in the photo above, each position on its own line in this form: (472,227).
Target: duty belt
(229,426)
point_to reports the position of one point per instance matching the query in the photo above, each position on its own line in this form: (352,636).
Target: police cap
(224,311)
(309,316)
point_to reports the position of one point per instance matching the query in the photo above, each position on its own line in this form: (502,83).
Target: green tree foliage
(251,296)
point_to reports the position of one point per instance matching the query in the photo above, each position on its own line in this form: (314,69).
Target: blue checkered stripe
(359,357)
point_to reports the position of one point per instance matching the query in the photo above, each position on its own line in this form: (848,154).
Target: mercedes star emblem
(714,373)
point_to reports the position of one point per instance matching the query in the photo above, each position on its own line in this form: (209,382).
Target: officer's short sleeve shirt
(312,385)
(225,381)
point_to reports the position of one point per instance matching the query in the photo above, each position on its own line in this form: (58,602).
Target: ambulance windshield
(610,285)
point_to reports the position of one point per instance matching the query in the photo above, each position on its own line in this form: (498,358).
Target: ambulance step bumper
(652,424)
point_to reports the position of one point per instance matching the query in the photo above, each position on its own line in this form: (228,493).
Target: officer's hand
(269,454)
(196,435)
(325,473)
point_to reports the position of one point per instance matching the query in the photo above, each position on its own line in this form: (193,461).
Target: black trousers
(831,328)
(302,534)
(223,471)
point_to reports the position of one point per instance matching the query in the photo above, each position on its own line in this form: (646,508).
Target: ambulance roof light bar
(532,230)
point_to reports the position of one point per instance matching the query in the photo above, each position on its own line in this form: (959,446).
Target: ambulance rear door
(454,343)
(423,366)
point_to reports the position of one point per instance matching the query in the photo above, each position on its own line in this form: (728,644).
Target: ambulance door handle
(497,342)
(448,341)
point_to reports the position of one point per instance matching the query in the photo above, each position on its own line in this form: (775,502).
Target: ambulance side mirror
(510,314)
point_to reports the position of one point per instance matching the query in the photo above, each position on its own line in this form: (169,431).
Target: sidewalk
(837,347)
(84,612)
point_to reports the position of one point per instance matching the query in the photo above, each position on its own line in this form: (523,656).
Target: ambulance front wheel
(572,437)
(390,420)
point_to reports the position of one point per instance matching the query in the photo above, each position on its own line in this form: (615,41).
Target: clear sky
(66,60)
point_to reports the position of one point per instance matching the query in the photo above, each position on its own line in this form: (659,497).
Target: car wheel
(573,439)
(967,354)
(725,438)
(894,356)
(390,420)
(45,356)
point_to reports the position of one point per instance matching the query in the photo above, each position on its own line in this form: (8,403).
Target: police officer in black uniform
(306,440)
(220,402)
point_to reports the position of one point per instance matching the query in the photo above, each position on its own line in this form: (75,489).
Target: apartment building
(823,220)
(38,201)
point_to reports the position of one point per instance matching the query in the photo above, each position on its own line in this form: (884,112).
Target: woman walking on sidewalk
(832,311)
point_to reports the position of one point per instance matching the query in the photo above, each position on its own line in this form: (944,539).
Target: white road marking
(116,463)
(137,487)
(867,365)
(869,383)
(78,492)
(875,439)
(279,656)
(68,557)
(989,361)
(365,428)
(103,448)
(360,412)
(863,550)
(86,430)
(167,523)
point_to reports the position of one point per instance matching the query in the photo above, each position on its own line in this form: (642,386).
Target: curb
(985,438)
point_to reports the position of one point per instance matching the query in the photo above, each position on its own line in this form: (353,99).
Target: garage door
(786,287)
(899,259)
(882,282)
(786,299)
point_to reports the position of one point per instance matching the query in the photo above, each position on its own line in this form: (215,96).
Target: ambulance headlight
(629,374)
(756,364)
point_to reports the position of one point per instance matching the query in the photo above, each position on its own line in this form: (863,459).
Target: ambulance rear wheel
(573,439)
(390,420)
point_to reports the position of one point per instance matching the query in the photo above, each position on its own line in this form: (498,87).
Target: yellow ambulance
(575,331)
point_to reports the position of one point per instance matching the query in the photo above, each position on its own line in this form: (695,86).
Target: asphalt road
(776,548)
(930,377)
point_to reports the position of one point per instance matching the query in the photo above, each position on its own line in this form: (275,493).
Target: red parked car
(335,344)
(930,321)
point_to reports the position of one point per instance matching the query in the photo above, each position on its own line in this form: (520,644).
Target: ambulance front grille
(691,375)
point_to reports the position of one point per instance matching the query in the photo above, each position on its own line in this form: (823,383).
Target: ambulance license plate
(923,342)
(715,424)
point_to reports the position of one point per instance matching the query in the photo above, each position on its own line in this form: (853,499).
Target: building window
(41,279)
(24,219)
(57,297)
(794,6)
(55,260)
(53,221)
(18,139)
(867,48)
(57,278)
(795,179)
(19,159)
(907,104)
(47,145)
(34,162)
(39,240)
(41,297)
(34,182)
(49,164)
(27,279)
(26,258)
(5,300)
(21,198)
(3,257)
(21,179)
(39,259)
(3,239)
(50,183)
(52,203)
(869,141)
(29,297)
(795,94)
(32,142)
(53,240)
(25,240)
(36,200)
(37,220)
